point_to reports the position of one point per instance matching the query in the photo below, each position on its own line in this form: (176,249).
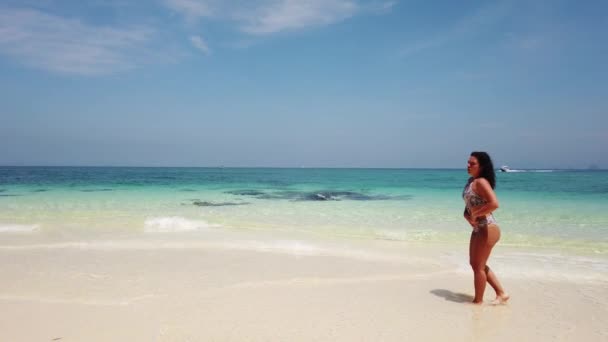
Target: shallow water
(562,209)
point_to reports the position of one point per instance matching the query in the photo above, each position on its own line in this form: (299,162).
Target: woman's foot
(501,299)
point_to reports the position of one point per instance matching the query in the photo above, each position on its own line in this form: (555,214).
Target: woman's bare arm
(467,216)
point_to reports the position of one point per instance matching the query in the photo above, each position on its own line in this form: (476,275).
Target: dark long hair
(486,167)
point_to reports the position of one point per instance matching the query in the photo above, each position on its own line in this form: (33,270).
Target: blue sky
(313,83)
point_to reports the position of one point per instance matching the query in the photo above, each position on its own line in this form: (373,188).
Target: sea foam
(174,224)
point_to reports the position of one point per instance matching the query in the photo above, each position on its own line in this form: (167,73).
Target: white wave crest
(174,224)
(516,170)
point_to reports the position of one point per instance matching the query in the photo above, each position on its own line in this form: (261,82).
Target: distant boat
(505,168)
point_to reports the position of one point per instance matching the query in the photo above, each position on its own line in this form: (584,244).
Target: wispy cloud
(382,6)
(69,46)
(36,34)
(263,17)
(287,15)
(200,44)
(192,10)
(257,18)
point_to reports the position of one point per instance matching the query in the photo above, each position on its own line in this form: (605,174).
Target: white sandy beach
(241,288)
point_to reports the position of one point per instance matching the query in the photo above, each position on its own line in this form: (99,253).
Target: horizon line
(289,167)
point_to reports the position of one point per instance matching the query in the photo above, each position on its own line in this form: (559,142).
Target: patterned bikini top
(472,199)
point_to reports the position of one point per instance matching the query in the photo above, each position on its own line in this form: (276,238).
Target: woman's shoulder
(480,182)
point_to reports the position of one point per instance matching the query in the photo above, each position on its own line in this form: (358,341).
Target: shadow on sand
(452,296)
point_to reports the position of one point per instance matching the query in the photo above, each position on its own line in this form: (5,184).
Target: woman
(480,202)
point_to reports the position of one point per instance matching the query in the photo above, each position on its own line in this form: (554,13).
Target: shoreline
(256,287)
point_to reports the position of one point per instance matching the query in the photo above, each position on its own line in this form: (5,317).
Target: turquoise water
(552,208)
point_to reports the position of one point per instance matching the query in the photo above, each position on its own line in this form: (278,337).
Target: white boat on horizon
(505,168)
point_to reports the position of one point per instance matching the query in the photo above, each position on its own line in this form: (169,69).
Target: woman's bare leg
(501,295)
(479,255)
(480,248)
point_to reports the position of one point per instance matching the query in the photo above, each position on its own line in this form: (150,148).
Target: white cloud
(285,15)
(200,44)
(68,45)
(382,6)
(261,17)
(191,9)
(38,37)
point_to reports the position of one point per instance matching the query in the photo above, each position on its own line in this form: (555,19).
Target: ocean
(538,208)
